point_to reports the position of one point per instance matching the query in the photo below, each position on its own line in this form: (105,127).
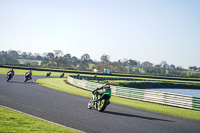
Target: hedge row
(146,84)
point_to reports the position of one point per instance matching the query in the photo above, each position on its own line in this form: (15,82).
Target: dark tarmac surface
(71,110)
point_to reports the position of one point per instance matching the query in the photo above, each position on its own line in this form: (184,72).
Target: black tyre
(25,79)
(8,78)
(102,105)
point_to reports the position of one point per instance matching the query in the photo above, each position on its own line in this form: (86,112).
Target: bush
(153,84)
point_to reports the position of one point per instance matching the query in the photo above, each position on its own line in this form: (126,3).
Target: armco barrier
(129,79)
(170,99)
(132,93)
(196,103)
(103,78)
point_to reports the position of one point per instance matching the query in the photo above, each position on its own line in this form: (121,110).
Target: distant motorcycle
(62,75)
(27,77)
(9,76)
(48,74)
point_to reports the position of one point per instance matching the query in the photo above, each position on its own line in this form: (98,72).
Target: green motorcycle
(100,100)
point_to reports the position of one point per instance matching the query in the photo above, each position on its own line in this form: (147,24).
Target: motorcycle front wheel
(8,78)
(25,79)
(89,105)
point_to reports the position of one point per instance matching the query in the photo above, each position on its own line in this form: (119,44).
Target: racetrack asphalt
(71,110)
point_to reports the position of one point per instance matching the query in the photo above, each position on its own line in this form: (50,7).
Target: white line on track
(41,118)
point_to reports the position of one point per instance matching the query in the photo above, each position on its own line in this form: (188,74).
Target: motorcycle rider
(29,74)
(78,76)
(101,90)
(48,74)
(62,75)
(95,76)
(11,72)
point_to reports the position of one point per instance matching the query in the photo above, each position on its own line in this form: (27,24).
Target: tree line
(57,59)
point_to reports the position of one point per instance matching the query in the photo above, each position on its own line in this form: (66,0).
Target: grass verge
(57,74)
(35,73)
(59,84)
(152,84)
(11,121)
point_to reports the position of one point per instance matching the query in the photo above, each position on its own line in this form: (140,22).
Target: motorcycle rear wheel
(102,105)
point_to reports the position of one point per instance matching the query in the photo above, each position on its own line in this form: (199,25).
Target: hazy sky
(143,30)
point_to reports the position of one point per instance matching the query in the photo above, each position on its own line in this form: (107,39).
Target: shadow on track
(135,116)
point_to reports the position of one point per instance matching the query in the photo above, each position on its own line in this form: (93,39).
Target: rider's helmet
(107,85)
(12,69)
(30,71)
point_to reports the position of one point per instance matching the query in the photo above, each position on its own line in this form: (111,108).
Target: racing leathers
(11,72)
(29,74)
(100,91)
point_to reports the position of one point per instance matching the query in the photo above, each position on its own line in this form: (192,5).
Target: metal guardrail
(134,79)
(164,98)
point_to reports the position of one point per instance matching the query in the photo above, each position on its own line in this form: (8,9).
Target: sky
(142,30)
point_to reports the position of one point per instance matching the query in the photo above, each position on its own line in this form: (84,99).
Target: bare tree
(24,55)
(13,53)
(164,64)
(86,57)
(105,58)
(50,55)
(58,53)
(147,64)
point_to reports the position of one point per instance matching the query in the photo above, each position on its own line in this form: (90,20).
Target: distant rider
(95,76)
(11,72)
(104,89)
(78,76)
(29,74)
(62,75)
(48,74)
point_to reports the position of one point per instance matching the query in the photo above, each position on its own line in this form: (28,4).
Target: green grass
(42,73)
(11,121)
(59,84)
(184,80)
(49,69)
(153,84)
(35,73)
(38,73)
